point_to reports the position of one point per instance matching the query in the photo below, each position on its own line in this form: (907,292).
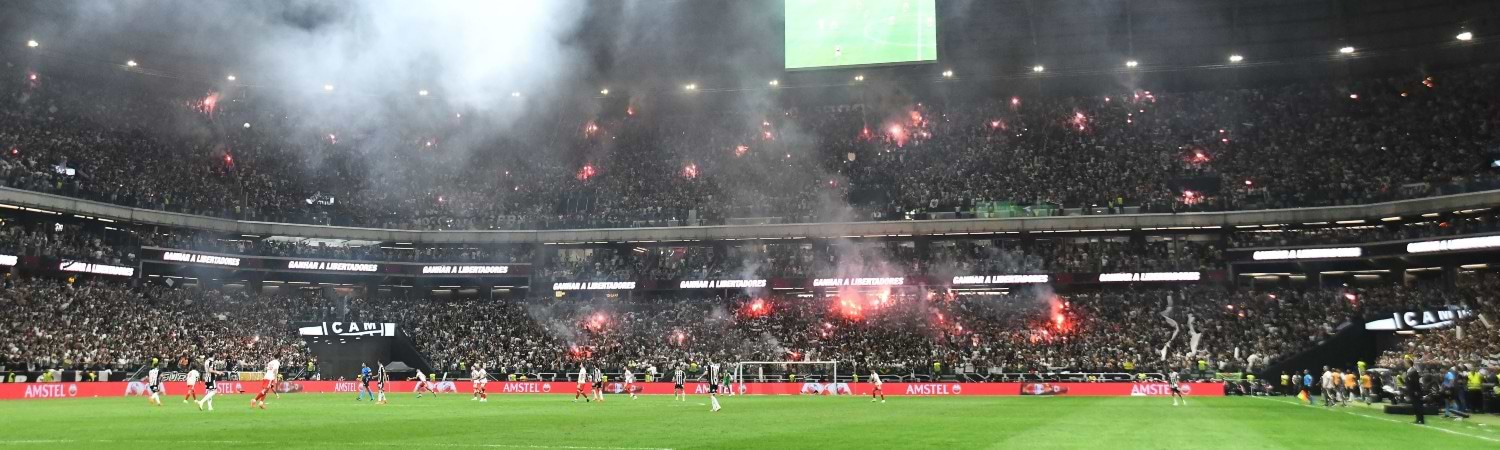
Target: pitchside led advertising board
(844,33)
(43,391)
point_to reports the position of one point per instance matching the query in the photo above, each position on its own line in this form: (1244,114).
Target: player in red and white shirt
(583,380)
(876,383)
(480,377)
(272,368)
(630,383)
(192,383)
(423,385)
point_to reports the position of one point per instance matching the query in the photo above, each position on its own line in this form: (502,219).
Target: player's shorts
(1176,390)
(267,384)
(877,387)
(599,385)
(581,386)
(154,388)
(677,386)
(713,388)
(210,386)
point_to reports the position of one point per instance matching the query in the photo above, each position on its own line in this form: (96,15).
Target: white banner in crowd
(721,284)
(1001,279)
(1149,276)
(387,329)
(201,259)
(1419,320)
(594,286)
(1308,253)
(99,269)
(466,270)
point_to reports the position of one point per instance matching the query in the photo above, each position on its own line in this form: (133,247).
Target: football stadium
(704,224)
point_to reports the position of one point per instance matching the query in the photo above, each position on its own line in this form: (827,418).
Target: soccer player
(876,383)
(380,381)
(209,387)
(583,379)
(630,383)
(678,393)
(481,378)
(598,384)
(364,383)
(153,384)
(192,383)
(713,386)
(422,384)
(1327,384)
(1173,382)
(272,368)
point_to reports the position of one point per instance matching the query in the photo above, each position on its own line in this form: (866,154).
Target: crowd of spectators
(252,158)
(68,242)
(1484,222)
(91,325)
(1474,341)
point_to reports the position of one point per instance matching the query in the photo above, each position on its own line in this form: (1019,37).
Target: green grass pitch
(831,33)
(658,422)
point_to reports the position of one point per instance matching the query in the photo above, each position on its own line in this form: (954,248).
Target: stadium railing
(1212,220)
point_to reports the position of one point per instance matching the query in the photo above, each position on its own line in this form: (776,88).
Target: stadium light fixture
(690,87)
(775,83)
(422,93)
(130,63)
(1132,63)
(1465,36)
(33,43)
(859,78)
(1038,68)
(230,77)
(328,88)
(516,94)
(1236,58)
(604,91)
(948,73)
(1346,50)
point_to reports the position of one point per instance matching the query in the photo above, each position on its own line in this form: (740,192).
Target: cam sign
(385,329)
(1419,320)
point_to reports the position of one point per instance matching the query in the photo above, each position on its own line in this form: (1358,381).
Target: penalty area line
(340,444)
(1387,419)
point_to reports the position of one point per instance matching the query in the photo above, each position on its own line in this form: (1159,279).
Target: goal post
(756,371)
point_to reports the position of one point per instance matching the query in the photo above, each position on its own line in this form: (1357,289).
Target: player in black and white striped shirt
(713,386)
(210,385)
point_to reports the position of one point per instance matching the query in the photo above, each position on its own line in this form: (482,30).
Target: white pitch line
(1445,430)
(341,444)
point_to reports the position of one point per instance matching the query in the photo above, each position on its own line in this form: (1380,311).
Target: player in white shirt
(583,380)
(153,384)
(480,377)
(423,385)
(210,387)
(630,383)
(1173,381)
(192,383)
(267,384)
(713,386)
(876,383)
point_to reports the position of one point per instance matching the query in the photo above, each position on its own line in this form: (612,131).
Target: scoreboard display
(851,33)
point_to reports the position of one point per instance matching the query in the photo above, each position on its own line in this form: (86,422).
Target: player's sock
(715,400)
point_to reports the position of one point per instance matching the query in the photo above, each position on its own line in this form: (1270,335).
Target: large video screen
(842,33)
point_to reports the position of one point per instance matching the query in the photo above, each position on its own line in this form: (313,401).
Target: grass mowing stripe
(341,444)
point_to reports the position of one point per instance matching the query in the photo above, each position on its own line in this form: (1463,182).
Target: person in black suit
(1414,390)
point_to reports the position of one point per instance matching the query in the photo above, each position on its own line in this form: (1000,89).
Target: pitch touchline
(1445,430)
(350,444)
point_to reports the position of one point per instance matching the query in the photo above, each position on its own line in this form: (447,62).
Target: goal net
(819,376)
